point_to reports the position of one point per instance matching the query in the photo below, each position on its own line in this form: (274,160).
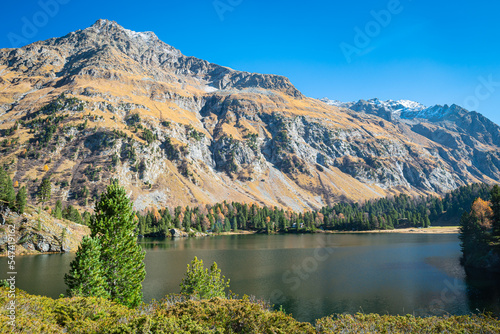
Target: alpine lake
(308,275)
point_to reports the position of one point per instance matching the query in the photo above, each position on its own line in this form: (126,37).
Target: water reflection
(483,291)
(311,275)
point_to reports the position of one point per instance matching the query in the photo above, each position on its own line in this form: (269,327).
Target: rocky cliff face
(39,233)
(106,102)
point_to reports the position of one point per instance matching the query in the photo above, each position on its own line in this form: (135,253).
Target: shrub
(36,314)
(203,283)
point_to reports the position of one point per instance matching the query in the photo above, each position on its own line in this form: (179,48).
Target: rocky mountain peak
(106,32)
(106,48)
(106,27)
(104,23)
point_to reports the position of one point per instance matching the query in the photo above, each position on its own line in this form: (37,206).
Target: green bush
(148,136)
(203,283)
(375,323)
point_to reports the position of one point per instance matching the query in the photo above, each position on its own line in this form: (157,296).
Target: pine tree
(427,222)
(45,190)
(474,240)
(202,283)
(58,210)
(7,192)
(71,213)
(495,206)
(235,224)
(86,217)
(122,258)
(85,277)
(21,200)
(3,183)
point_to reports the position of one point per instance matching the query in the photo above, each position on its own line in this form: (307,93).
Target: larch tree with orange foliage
(156,215)
(482,210)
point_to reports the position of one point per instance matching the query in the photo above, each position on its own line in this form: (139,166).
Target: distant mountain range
(383,109)
(106,102)
(453,118)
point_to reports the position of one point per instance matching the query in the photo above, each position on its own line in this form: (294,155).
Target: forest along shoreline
(45,230)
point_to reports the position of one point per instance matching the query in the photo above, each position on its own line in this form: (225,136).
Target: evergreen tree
(85,277)
(10,196)
(474,240)
(427,221)
(235,224)
(21,200)
(7,192)
(87,217)
(122,258)
(71,213)
(495,206)
(203,283)
(58,210)
(45,190)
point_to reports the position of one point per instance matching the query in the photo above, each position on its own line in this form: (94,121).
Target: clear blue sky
(434,52)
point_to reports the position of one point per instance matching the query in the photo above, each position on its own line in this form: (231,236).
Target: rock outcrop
(40,233)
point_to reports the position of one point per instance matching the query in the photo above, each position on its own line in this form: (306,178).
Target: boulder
(176,233)
(42,245)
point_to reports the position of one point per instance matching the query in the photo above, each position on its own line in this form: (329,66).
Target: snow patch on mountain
(146,36)
(335,103)
(395,107)
(402,109)
(436,112)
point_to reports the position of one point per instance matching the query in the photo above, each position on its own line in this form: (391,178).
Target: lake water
(311,275)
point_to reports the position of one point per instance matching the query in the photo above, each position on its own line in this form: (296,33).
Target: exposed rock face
(40,233)
(176,233)
(106,102)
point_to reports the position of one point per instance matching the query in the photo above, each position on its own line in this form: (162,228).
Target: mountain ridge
(105,102)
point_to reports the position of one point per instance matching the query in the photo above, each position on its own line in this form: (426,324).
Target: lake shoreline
(412,230)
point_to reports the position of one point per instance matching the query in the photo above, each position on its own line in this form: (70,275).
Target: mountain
(385,109)
(106,102)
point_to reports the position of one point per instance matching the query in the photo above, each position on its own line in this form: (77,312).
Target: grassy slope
(36,314)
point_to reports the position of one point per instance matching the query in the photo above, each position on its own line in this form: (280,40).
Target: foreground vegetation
(36,314)
(109,263)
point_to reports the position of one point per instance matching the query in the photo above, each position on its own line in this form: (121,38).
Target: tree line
(401,211)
